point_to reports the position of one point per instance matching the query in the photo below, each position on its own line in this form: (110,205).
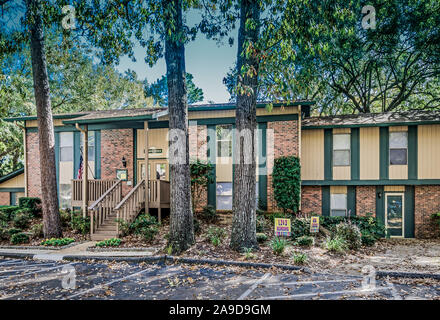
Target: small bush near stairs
(144,225)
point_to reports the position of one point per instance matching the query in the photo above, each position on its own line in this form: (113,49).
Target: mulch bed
(386,254)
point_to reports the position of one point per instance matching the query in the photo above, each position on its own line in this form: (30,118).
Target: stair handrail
(104,195)
(123,201)
(129,207)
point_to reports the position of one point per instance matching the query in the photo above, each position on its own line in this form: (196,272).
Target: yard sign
(282,227)
(314,224)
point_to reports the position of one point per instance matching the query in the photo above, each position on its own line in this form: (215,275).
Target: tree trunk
(181,215)
(244,201)
(46,139)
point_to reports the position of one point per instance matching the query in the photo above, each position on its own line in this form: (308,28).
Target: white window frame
(349,150)
(61,147)
(390,148)
(338,209)
(221,141)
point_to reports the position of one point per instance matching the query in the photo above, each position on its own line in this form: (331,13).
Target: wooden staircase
(109,208)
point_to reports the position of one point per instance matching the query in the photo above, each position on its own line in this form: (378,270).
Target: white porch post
(85,175)
(147,176)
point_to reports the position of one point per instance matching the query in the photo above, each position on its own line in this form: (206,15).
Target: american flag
(81,167)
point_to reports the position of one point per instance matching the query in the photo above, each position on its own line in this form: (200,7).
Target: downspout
(299,152)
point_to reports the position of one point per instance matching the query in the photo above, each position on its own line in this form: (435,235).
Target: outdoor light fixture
(124,162)
(379,194)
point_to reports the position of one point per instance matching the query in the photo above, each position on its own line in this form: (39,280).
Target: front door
(394,217)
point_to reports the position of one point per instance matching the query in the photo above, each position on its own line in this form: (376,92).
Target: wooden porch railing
(96,189)
(128,209)
(159,194)
(103,207)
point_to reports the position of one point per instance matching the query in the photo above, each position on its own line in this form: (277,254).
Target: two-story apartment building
(384,164)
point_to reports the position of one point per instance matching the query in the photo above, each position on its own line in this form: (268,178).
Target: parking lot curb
(410,275)
(181,260)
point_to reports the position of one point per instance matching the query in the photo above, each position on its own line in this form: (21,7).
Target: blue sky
(205,59)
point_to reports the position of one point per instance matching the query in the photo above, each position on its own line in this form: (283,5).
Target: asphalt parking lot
(31,279)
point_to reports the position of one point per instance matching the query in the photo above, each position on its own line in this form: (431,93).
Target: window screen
(341,149)
(66,146)
(224,196)
(224,141)
(338,204)
(91,148)
(398,148)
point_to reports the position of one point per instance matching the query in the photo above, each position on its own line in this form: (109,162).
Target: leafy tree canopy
(159,90)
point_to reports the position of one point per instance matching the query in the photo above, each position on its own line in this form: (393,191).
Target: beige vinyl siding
(398,172)
(394,188)
(312,155)
(16,182)
(398,128)
(369,153)
(224,169)
(341,130)
(34,123)
(338,189)
(157,138)
(341,173)
(429,151)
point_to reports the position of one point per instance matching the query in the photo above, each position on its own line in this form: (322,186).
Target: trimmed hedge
(30,203)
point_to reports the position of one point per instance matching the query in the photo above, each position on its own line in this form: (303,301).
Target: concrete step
(100,237)
(107,228)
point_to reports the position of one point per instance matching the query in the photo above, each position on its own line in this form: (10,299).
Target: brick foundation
(427,202)
(5,199)
(116,144)
(282,140)
(311,200)
(365,200)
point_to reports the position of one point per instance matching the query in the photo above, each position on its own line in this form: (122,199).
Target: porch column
(147,176)
(85,174)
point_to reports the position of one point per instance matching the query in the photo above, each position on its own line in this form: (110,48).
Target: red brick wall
(311,200)
(427,202)
(116,144)
(33,165)
(5,199)
(198,149)
(365,200)
(284,135)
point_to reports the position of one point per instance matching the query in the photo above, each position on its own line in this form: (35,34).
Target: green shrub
(21,219)
(114,242)
(366,224)
(216,235)
(12,231)
(436,218)
(37,230)
(336,245)
(209,214)
(19,238)
(79,224)
(305,241)
(57,242)
(286,183)
(300,227)
(248,255)
(350,233)
(65,218)
(202,174)
(261,223)
(368,239)
(278,245)
(146,226)
(261,237)
(30,203)
(7,213)
(4,235)
(299,258)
